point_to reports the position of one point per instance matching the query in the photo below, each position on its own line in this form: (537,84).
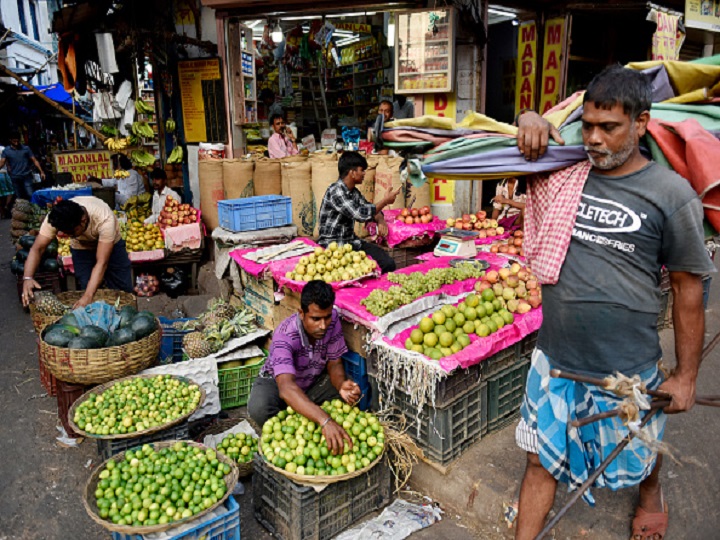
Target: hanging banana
(143,108)
(170,125)
(176,156)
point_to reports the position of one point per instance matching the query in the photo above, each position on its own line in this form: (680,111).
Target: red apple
(404,212)
(425,218)
(494,249)
(409,220)
(492,276)
(414,212)
(481,215)
(425,210)
(466,217)
(503,248)
(518,234)
(417,220)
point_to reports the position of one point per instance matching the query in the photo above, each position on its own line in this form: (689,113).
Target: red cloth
(694,153)
(550,211)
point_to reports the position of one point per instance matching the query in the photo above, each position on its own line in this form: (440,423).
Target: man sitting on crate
(343,205)
(304,368)
(601,300)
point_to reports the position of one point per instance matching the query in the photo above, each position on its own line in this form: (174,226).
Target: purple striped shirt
(291,351)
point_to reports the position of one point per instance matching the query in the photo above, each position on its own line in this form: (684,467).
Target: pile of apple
(517,286)
(486,228)
(514,245)
(411,216)
(174,214)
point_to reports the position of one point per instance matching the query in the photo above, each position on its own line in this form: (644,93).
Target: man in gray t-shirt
(600,317)
(20,161)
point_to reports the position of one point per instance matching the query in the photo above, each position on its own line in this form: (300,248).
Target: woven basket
(244,469)
(109,296)
(91,506)
(98,366)
(320,480)
(100,389)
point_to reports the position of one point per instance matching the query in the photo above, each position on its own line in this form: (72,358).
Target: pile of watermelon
(67,333)
(49,258)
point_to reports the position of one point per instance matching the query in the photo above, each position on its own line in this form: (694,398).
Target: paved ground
(40,491)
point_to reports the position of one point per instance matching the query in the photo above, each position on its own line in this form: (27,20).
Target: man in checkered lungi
(601,301)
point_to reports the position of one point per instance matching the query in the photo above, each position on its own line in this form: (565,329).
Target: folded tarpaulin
(686,78)
(402,135)
(694,154)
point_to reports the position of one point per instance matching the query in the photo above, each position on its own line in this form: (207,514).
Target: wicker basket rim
(91,508)
(321,480)
(40,320)
(135,434)
(244,469)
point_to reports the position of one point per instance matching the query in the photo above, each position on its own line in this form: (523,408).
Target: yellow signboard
(192,74)
(552,63)
(442,191)
(357,28)
(703,14)
(667,38)
(525,74)
(84,163)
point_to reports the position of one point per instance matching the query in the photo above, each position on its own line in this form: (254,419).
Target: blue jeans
(117,275)
(23,186)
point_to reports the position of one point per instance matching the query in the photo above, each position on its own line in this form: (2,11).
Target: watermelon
(26,241)
(58,337)
(51,250)
(83,343)
(50,265)
(64,325)
(96,333)
(17,267)
(121,336)
(126,315)
(143,325)
(70,319)
(22,255)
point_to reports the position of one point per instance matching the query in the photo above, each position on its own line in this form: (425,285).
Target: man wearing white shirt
(160,194)
(128,187)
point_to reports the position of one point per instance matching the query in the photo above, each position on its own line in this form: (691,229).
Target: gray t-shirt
(601,316)
(18,160)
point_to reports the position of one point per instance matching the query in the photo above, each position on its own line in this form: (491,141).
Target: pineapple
(222,309)
(196,346)
(48,304)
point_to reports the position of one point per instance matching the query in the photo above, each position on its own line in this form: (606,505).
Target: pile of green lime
(154,487)
(136,404)
(239,447)
(447,331)
(294,443)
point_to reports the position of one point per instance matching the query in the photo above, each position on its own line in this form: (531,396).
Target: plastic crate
(171,347)
(406,256)
(110,447)
(67,394)
(291,511)
(253,213)
(235,384)
(223,527)
(505,393)
(527,345)
(356,370)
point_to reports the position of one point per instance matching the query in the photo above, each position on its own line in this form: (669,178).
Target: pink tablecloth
(349,299)
(258,269)
(401,232)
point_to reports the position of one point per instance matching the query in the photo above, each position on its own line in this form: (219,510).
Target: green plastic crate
(505,393)
(235,384)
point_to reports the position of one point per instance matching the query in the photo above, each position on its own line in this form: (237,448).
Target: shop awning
(56,92)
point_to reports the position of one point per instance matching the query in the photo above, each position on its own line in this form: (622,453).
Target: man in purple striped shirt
(305,368)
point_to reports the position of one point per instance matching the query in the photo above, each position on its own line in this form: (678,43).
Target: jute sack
(367,189)
(267,179)
(324,173)
(387,178)
(420,194)
(210,176)
(238,178)
(297,184)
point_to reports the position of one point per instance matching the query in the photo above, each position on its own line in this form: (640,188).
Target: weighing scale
(456,243)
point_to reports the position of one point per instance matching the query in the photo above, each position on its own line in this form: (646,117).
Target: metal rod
(591,479)
(659,404)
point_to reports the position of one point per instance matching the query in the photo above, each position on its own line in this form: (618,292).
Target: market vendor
(128,187)
(509,201)
(160,193)
(282,142)
(343,205)
(304,368)
(98,250)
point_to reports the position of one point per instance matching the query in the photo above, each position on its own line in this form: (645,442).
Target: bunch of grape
(415,285)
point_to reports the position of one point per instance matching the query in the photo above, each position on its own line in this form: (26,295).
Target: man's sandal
(650,526)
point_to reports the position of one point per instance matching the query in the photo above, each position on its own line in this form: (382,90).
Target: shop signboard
(703,14)
(84,163)
(552,64)
(356,28)
(442,191)
(440,105)
(667,39)
(203,100)
(526,67)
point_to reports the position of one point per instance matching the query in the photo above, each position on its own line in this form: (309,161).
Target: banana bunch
(142,129)
(117,144)
(142,158)
(121,174)
(176,156)
(138,207)
(170,125)
(143,108)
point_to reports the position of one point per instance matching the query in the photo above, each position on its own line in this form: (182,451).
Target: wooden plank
(235,65)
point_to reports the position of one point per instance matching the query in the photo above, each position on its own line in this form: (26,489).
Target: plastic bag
(146,285)
(173,282)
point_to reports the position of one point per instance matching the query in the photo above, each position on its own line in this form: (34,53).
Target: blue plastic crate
(171,343)
(356,370)
(254,213)
(223,527)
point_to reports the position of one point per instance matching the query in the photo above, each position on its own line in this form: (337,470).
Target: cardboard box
(355,337)
(269,315)
(264,288)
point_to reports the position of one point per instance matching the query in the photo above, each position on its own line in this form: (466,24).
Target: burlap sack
(297,184)
(324,173)
(417,197)
(267,179)
(238,178)
(210,175)
(367,188)
(387,178)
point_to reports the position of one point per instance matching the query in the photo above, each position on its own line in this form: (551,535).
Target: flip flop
(647,524)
